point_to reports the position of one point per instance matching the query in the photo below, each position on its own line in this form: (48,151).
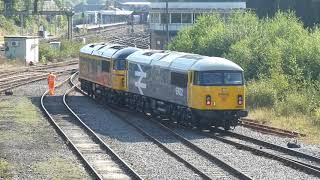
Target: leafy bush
(280,57)
(47,52)
(260,94)
(317,116)
(295,103)
(261,46)
(7,25)
(68,49)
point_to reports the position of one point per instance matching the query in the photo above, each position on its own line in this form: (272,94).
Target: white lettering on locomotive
(141,75)
(179,91)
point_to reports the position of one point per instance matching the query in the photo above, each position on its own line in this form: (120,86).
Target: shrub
(261,46)
(294,104)
(47,52)
(260,94)
(68,49)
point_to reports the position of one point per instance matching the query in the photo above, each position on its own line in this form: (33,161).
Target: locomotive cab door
(190,83)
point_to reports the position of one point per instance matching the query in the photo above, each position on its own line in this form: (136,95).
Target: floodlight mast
(167,22)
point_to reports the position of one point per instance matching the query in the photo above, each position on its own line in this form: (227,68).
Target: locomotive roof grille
(102,47)
(117,47)
(150,53)
(177,61)
(191,56)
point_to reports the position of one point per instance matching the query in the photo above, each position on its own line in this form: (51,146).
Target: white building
(24,48)
(182,14)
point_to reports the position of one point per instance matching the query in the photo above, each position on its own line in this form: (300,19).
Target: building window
(179,79)
(175,18)
(186,18)
(196,17)
(163,18)
(154,18)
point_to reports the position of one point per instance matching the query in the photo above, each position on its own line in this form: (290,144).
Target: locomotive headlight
(240,99)
(208,100)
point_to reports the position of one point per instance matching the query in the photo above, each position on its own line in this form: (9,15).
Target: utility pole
(167,21)
(70,24)
(21,24)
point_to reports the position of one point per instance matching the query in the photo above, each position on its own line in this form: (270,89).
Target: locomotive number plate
(224,92)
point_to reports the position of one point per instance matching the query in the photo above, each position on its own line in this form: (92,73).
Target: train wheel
(195,120)
(227,125)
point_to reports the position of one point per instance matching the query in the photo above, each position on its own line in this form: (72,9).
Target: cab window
(233,78)
(119,65)
(218,78)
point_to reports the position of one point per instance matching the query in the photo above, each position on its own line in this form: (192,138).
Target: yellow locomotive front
(216,93)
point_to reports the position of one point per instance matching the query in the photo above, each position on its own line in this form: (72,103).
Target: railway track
(17,77)
(301,160)
(292,158)
(9,85)
(99,159)
(120,34)
(217,165)
(139,38)
(12,71)
(252,124)
(104,31)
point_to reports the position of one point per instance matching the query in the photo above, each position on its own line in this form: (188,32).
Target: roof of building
(199,5)
(136,3)
(22,37)
(88,7)
(111,12)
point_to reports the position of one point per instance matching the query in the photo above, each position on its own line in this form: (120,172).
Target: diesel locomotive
(186,88)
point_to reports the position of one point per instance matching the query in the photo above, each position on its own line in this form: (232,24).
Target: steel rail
(97,138)
(202,152)
(308,168)
(34,68)
(268,129)
(10,86)
(158,143)
(65,137)
(273,146)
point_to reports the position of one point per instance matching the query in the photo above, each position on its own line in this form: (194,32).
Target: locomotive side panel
(158,83)
(137,79)
(95,69)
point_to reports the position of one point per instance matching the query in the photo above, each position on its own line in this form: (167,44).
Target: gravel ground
(255,166)
(36,89)
(165,137)
(145,157)
(305,148)
(257,146)
(29,143)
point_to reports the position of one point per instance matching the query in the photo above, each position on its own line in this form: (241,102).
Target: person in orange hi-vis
(51,83)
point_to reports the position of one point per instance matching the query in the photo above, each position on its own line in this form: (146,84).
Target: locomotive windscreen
(218,78)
